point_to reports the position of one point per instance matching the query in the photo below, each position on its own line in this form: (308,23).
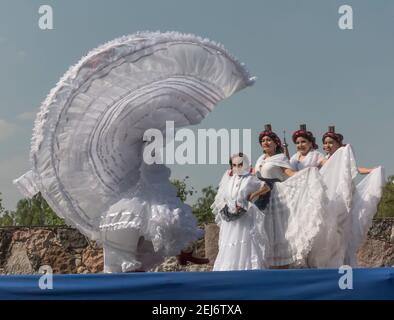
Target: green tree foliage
(31,212)
(202,208)
(1,205)
(6,217)
(182,190)
(386,205)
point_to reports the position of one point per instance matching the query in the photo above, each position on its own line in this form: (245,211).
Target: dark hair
(274,137)
(336,136)
(307,135)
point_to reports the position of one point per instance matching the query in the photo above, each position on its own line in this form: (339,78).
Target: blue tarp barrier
(233,285)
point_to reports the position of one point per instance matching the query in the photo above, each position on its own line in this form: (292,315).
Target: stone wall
(24,250)
(378,249)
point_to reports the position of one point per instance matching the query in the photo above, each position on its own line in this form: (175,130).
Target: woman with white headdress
(241,245)
(88,141)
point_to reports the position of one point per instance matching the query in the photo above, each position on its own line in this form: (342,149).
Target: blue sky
(309,71)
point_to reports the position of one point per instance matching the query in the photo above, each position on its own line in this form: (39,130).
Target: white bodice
(271,167)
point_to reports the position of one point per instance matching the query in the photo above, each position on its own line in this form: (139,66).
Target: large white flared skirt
(350,211)
(293,217)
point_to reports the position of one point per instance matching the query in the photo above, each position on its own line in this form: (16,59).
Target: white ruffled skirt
(140,231)
(350,211)
(293,217)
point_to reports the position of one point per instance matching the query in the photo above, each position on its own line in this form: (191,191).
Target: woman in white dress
(241,245)
(361,199)
(307,154)
(332,141)
(340,233)
(294,209)
(327,249)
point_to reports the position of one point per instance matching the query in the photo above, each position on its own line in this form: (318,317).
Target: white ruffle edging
(135,42)
(169,230)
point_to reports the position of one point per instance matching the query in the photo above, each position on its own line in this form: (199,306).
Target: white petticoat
(169,226)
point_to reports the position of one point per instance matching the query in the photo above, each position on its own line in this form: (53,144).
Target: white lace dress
(241,245)
(295,210)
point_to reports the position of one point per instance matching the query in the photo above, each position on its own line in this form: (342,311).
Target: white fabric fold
(350,210)
(26,184)
(365,202)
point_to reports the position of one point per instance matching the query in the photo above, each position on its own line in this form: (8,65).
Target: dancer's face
(237,165)
(330,146)
(268,145)
(303,145)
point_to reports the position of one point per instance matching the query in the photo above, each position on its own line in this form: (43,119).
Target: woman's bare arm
(289,172)
(263,190)
(362,170)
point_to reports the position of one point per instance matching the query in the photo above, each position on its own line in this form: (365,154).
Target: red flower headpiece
(307,135)
(332,134)
(269,133)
